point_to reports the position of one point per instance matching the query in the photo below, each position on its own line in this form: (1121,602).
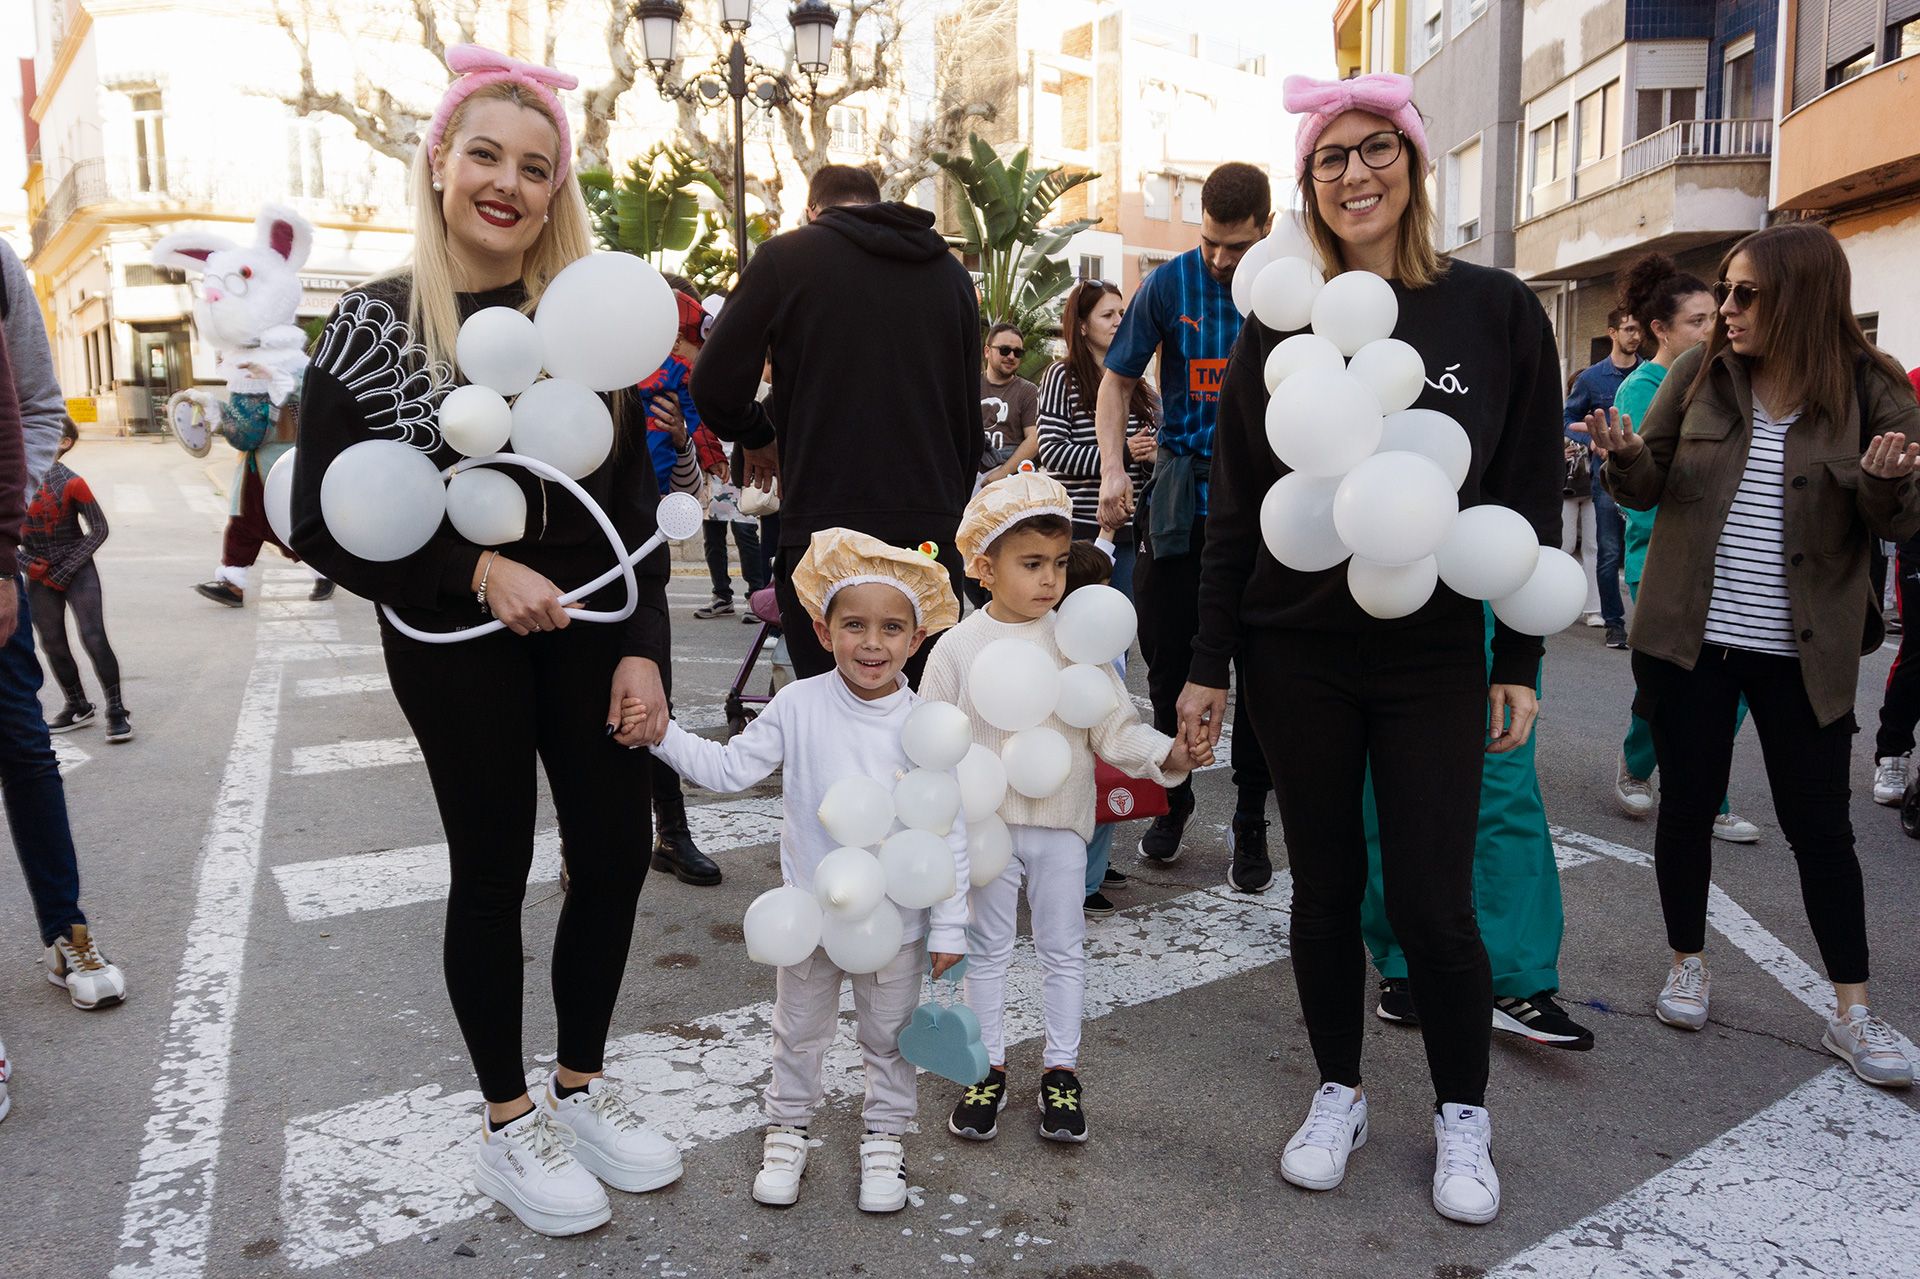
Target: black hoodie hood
(887,230)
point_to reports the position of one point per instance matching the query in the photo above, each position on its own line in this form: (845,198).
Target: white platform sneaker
(783,1159)
(1465,1186)
(529,1166)
(883,1173)
(1316,1157)
(74,964)
(609,1138)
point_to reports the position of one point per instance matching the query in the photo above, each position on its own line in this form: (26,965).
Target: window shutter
(1810,52)
(1849,30)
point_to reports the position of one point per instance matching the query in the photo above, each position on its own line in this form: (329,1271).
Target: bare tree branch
(377,118)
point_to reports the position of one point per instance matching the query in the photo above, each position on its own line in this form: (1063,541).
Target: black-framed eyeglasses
(1376,151)
(1742,294)
(1010,351)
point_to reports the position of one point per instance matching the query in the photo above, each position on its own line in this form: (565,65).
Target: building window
(149,142)
(1463,195)
(305,176)
(1190,200)
(1655,109)
(1092,267)
(1428,22)
(1599,120)
(1736,86)
(1858,65)
(139,273)
(1550,151)
(1465,11)
(1903,38)
(1377,38)
(848,129)
(1158,190)
(1870,325)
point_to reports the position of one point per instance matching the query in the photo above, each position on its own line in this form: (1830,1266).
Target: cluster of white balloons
(607,321)
(1374,482)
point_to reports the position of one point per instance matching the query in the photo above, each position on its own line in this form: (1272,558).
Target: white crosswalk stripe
(339,685)
(341,757)
(129,499)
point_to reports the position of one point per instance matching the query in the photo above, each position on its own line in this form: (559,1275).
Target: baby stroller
(742,706)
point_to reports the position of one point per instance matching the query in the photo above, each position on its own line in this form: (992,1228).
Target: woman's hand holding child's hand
(1184,758)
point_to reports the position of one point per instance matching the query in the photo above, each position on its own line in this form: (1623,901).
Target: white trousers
(806,1016)
(1577,525)
(1054,865)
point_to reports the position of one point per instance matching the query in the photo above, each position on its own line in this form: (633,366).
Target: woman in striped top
(1069,451)
(1776,451)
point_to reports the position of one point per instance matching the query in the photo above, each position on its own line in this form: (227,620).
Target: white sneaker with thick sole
(1890,778)
(1683,1000)
(74,964)
(528,1167)
(1869,1045)
(1465,1186)
(6,1073)
(1633,794)
(1316,1155)
(783,1159)
(883,1173)
(1735,829)
(610,1140)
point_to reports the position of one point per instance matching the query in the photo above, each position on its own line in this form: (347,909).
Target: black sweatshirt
(874,329)
(368,381)
(1493,366)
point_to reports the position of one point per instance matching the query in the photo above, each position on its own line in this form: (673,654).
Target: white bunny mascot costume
(248,304)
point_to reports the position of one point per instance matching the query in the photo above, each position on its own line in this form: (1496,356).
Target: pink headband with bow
(477,68)
(1320,102)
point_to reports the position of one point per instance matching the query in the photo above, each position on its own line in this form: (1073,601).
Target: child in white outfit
(1015,536)
(873,605)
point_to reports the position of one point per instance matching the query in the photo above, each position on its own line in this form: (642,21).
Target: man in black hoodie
(873,327)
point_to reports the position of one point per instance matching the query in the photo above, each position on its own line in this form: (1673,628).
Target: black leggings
(1414,702)
(1807,770)
(483,712)
(50,608)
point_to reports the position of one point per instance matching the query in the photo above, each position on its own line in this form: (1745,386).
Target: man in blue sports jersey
(1185,312)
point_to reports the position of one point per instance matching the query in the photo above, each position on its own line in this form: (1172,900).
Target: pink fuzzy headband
(477,68)
(1320,102)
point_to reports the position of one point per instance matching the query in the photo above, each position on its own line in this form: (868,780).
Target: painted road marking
(337,685)
(388,1168)
(335,886)
(1822,1182)
(202,502)
(131,499)
(68,755)
(296,606)
(342,757)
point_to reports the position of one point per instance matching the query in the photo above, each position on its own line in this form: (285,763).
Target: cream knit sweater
(1121,739)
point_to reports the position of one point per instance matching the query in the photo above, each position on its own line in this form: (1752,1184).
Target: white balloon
(1096,625)
(382,499)
(1490,552)
(1391,590)
(989,849)
(927,800)
(1246,273)
(475,420)
(1290,240)
(1086,695)
(1296,522)
(849,883)
(782,926)
(936,735)
(1355,308)
(1432,433)
(864,945)
(1392,370)
(1283,294)
(1551,599)
(607,321)
(857,811)
(983,784)
(1323,421)
(564,425)
(486,507)
(499,349)
(277,496)
(1301,351)
(919,868)
(1038,761)
(1395,508)
(1014,684)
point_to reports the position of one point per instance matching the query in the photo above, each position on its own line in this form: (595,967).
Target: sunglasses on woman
(1742,294)
(1376,151)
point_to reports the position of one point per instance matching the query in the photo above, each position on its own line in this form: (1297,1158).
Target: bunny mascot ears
(277,228)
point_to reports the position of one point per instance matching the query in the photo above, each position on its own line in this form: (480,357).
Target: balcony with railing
(1854,143)
(1692,183)
(134,188)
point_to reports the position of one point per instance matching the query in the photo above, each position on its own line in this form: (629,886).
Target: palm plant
(652,209)
(712,262)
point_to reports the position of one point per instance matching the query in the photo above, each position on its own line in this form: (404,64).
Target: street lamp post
(736,76)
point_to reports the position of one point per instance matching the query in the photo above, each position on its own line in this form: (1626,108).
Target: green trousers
(1516,883)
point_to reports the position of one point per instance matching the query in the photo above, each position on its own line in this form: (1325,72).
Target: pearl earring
(437,186)
(546,217)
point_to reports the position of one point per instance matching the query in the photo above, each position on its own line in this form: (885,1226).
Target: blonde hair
(1416,263)
(433,313)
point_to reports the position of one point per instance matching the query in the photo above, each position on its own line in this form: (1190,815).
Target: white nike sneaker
(75,965)
(1890,778)
(883,1173)
(1316,1156)
(1465,1186)
(609,1138)
(6,1073)
(1683,1000)
(528,1167)
(783,1159)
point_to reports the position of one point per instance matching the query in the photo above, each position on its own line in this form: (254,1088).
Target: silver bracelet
(481,595)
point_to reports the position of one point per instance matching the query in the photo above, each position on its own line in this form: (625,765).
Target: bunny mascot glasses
(247,301)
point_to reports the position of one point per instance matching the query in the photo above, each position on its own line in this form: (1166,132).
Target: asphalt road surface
(285,1091)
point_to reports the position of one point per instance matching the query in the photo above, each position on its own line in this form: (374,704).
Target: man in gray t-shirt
(1009,406)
